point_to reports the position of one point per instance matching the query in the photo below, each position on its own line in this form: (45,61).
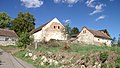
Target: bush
(104,65)
(24,40)
(117,61)
(103,56)
(111,66)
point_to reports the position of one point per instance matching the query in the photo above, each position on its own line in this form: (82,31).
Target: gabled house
(97,37)
(7,37)
(50,30)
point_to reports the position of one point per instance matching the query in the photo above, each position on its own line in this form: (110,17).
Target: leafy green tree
(74,30)
(113,40)
(119,40)
(23,23)
(5,20)
(24,40)
(67,30)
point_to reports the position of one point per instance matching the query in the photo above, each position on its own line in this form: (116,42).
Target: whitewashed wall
(46,35)
(8,41)
(102,41)
(87,37)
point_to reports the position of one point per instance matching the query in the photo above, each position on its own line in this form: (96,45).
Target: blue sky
(94,14)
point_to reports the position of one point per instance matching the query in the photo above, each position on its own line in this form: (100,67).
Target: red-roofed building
(99,37)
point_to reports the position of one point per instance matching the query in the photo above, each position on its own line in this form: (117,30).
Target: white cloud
(90,3)
(57,1)
(98,9)
(100,17)
(67,21)
(32,3)
(69,2)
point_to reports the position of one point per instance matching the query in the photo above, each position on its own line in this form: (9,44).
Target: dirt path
(8,61)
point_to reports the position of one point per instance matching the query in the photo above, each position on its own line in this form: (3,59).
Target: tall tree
(119,40)
(23,23)
(67,30)
(74,30)
(5,20)
(113,41)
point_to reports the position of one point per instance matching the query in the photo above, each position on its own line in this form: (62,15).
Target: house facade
(7,37)
(88,36)
(50,30)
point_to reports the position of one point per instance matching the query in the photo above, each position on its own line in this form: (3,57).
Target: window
(58,27)
(6,39)
(13,39)
(98,39)
(84,31)
(54,27)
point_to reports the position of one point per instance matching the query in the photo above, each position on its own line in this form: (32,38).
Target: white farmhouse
(88,36)
(50,30)
(7,37)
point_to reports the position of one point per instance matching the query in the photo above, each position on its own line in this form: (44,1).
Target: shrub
(117,61)
(104,65)
(111,66)
(24,40)
(103,56)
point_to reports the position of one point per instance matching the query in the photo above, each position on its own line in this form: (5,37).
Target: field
(76,55)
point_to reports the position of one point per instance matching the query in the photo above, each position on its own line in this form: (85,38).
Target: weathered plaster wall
(85,37)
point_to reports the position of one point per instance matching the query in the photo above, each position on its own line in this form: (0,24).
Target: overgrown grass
(8,47)
(78,48)
(83,49)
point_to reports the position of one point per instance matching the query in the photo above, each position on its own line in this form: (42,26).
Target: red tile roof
(7,33)
(99,33)
(38,29)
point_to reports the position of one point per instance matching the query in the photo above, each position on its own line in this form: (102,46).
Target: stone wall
(53,31)
(6,43)
(85,37)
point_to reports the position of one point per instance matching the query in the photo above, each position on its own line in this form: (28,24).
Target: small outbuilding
(97,37)
(7,37)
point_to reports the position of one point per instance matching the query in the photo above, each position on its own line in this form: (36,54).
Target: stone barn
(50,30)
(97,37)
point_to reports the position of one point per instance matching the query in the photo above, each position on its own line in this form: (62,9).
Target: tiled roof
(38,29)
(99,34)
(7,33)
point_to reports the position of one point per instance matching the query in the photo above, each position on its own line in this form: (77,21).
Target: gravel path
(8,61)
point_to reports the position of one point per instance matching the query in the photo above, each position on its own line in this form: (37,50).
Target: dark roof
(7,33)
(99,34)
(105,31)
(38,29)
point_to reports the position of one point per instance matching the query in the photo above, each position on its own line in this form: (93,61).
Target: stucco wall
(85,37)
(102,41)
(51,31)
(88,38)
(6,43)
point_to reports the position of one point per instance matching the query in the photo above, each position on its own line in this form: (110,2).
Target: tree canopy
(74,30)
(23,23)
(5,20)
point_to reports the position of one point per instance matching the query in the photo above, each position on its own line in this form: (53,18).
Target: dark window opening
(6,39)
(84,31)
(54,27)
(58,27)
